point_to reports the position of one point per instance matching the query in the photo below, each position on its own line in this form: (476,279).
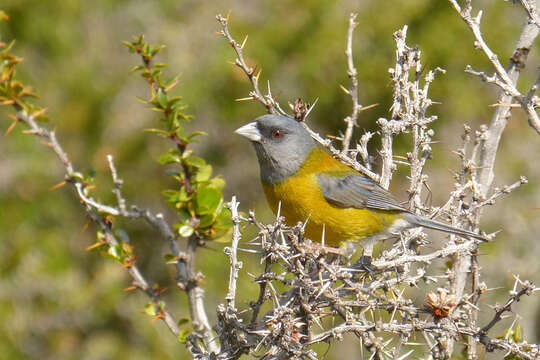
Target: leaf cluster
(197,199)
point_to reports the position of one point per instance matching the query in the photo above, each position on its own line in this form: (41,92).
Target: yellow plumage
(301,198)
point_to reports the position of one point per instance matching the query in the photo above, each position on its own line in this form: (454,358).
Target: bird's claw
(364,263)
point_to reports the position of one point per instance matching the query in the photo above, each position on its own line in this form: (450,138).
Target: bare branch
(353,91)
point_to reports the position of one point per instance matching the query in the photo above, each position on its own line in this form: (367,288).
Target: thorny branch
(272,106)
(506,80)
(185,280)
(325,298)
(353,91)
(94,209)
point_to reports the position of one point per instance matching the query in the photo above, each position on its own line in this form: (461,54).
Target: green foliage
(198,199)
(12,91)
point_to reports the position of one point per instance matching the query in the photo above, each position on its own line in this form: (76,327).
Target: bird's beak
(250,131)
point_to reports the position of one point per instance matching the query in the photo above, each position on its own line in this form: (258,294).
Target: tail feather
(418,220)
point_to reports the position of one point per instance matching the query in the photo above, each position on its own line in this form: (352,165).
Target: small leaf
(204,173)
(183,335)
(207,200)
(186,230)
(206,220)
(518,334)
(217,183)
(170,157)
(115,252)
(224,220)
(183,321)
(196,161)
(149,309)
(158,131)
(197,133)
(162,98)
(170,259)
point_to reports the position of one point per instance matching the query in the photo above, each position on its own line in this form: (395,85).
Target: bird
(339,205)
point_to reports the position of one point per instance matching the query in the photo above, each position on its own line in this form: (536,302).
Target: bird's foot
(364,264)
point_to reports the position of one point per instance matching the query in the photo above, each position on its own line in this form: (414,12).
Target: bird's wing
(355,191)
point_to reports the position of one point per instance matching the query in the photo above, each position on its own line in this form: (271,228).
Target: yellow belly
(301,199)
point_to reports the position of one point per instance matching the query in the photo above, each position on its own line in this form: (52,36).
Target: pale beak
(250,131)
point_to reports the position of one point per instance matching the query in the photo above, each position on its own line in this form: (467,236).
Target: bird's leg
(364,261)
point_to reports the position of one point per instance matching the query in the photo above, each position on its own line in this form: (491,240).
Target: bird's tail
(418,220)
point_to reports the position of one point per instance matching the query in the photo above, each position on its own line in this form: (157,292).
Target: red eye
(277,134)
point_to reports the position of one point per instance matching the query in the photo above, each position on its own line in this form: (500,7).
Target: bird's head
(281,143)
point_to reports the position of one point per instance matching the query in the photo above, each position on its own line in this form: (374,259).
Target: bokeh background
(58,301)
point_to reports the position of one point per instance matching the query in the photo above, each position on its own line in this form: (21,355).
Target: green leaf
(217,183)
(186,230)
(170,157)
(158,132)
(112,253)
(183,335)
(162,98)
(224,220)
(149,309)
(204,173)
(115,252)
(137,68)
(518,334)
(206,220)
(207,200)
(197,133)
(196,161)
(183,321)
(170,259)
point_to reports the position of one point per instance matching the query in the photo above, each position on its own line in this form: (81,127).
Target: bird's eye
(276,134)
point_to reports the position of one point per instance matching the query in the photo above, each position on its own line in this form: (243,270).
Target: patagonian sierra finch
(335,200)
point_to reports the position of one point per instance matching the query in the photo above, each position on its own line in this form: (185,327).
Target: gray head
(281,143)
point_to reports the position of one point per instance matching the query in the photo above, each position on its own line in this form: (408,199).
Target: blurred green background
(58,301)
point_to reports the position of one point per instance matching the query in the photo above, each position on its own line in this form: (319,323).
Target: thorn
(368,107)
(85,227)
(40,112)
(30,132)
(158,316)
(11,127)
(244,99)
(344,89)
(311,108)
(57,186)
(96,245)
(244,42)
(130,288)
(503,104)
(228,16)
(258,74)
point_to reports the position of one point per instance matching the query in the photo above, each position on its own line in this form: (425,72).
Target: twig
(506,79)
(232,253)
(117,186)
(353,91)
(256,94)
(92,208)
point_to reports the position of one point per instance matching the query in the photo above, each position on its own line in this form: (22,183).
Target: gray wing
(357,192)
